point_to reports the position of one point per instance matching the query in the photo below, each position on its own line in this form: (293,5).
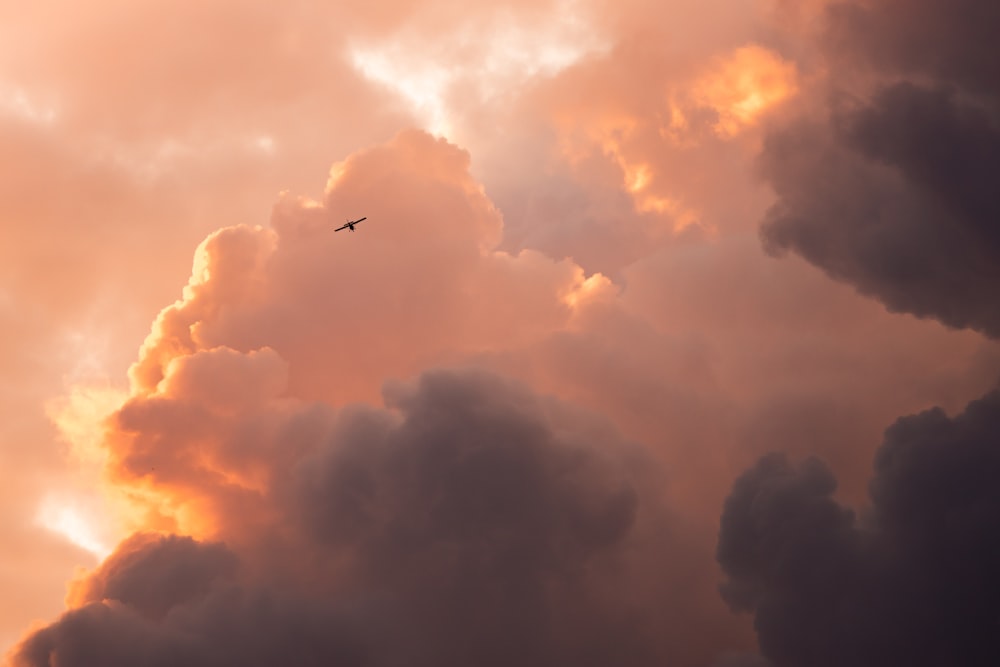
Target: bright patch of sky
(486,58)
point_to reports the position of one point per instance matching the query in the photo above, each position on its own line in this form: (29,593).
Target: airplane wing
(352,222)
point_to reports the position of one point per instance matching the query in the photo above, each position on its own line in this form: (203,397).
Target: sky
(670,337)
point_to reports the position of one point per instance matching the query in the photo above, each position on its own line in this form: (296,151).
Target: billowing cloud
(890,185)
(214,431)
(474,520)
(152,574)
(634,145)
(301,311)
(912,579)
(467,501)
(423,284)
(468,522)
(296,462)
(883,180)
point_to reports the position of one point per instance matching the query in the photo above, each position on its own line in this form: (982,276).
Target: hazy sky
(670,337)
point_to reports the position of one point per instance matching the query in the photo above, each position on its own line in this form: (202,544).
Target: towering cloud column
(891,187)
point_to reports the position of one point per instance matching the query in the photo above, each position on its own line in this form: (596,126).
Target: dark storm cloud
(496,515)
(952,41)
(152,574)
(741,660)
(166,601)
(894,190)
(914,581)
(472,457)
(230,625)
(472,522)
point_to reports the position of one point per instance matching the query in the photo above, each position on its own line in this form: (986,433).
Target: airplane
(350,224)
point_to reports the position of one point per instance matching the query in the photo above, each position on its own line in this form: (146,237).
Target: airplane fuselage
(349,224)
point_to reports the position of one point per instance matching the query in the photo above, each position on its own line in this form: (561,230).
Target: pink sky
(563,198)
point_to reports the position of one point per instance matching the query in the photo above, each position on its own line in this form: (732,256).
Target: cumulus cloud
(153,574)
(424,283)
(469,521)
(883,181)
(298,501)
(910,579)
(632,145)
(127,136)
(890,185)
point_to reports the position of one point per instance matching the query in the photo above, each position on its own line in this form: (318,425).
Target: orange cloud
(273,316)
(595,239)
(743,86)
(655,125)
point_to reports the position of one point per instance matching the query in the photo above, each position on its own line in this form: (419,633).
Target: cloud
(890,185)
(469,521)
(615,140)
(882,180)
(423,284)
(152,574)
(741,660)
(911,579)
(115,165)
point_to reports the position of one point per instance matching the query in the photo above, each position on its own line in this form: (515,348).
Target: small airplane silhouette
(350,224)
